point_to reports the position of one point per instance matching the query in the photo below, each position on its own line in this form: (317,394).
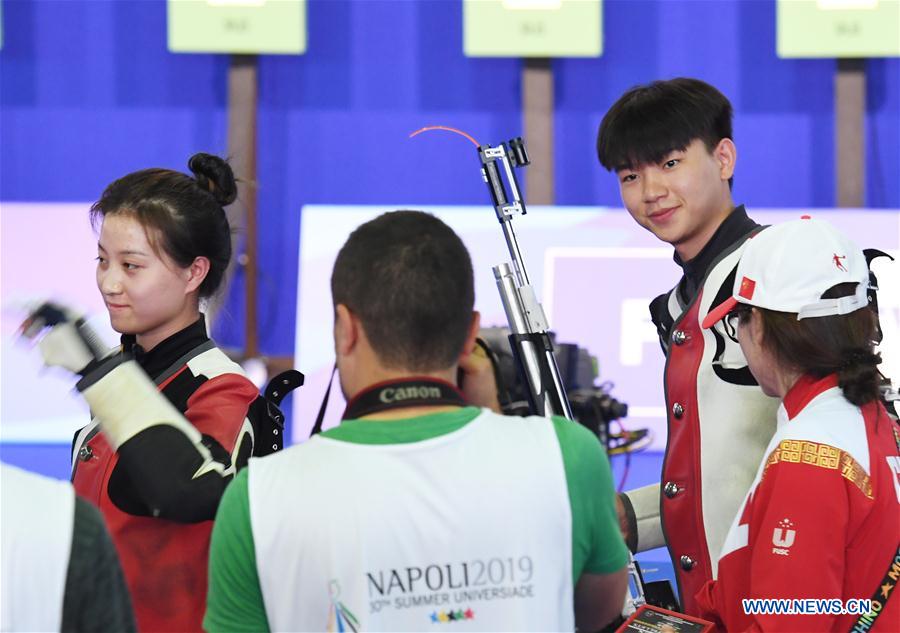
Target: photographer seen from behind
(417,509)
(822,518)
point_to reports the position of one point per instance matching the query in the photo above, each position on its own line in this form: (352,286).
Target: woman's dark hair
(648,122)
(819,346)
(185,214)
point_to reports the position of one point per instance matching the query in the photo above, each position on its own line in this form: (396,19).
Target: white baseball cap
(788,267)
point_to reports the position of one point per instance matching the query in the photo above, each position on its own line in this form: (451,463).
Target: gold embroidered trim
(823,456)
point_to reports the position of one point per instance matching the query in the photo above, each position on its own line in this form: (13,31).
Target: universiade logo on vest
(446,584)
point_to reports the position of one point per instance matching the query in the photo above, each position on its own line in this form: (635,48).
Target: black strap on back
(883,593)
(320,417)
(415,391)
(886,585)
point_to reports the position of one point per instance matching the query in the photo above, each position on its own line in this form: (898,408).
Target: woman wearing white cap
(822,519)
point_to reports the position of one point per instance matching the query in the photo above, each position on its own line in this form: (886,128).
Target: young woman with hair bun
(171,412)
(822,519)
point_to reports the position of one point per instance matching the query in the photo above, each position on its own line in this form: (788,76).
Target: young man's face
(682,199)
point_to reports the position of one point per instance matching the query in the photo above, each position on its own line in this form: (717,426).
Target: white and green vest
(438,534)
(36,517)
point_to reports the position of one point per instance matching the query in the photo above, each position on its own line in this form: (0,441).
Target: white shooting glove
(70,342)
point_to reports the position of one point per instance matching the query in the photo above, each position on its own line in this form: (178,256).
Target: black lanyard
(415,391)
(886,585)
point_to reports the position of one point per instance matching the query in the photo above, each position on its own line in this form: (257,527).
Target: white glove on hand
(70,343)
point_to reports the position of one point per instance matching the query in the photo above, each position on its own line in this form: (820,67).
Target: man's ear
(346,330)
(474,326)
(725,154)
(196,273)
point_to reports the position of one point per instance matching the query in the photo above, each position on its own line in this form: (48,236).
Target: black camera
(592,404)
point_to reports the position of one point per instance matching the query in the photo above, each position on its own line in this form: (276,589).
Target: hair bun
(214,175)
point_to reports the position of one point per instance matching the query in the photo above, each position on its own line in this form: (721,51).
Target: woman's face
(146,293)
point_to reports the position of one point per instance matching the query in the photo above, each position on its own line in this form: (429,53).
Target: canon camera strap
(415,391)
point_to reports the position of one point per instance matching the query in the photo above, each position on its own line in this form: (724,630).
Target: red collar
(804,390)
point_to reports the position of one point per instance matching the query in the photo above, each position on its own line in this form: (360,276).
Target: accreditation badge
(650,619)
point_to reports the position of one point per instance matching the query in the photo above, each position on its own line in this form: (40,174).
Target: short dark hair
(650,121)
(819,346)
(186,214)
(408,277)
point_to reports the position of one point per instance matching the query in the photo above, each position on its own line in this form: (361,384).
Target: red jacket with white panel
(719,420)
(156,460)
(822,520)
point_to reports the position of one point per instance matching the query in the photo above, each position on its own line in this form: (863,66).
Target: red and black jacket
(160,489)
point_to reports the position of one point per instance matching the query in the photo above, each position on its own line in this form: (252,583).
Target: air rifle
(530,337)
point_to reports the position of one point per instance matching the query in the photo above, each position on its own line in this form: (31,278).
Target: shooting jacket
(719,421)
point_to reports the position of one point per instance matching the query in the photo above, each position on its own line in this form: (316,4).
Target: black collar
(168,350)
(733,228)
(415,391)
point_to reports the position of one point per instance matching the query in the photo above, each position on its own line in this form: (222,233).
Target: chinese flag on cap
(747,288)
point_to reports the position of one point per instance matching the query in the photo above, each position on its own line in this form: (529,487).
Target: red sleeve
(708,607)
(219,408)
(798,537)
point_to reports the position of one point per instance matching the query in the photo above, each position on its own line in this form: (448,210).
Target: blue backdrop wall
(89,92)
